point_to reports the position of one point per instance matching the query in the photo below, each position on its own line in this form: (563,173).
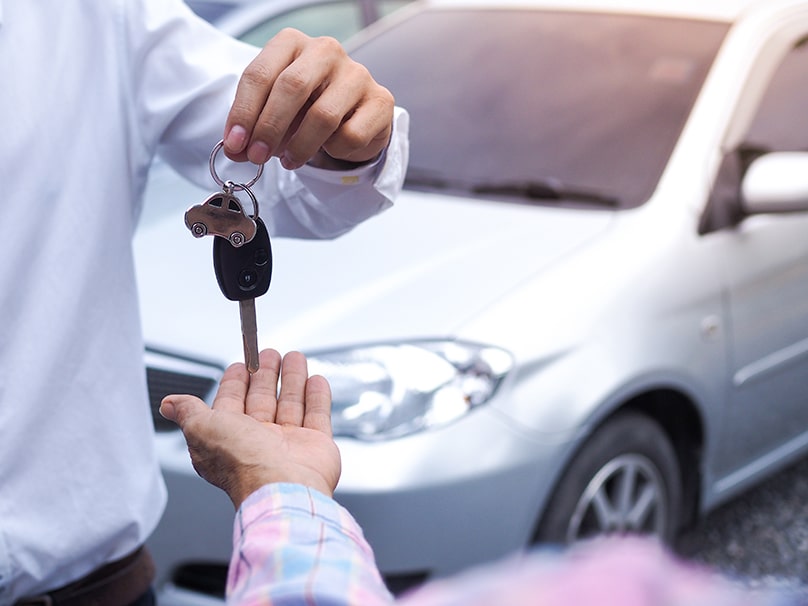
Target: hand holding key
(242,253)
(304,98)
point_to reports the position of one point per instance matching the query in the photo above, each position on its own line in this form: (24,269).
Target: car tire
(625,479)
(199,229)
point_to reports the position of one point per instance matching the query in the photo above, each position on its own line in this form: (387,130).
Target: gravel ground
(762,536)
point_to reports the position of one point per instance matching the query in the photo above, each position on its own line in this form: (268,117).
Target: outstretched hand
(254,435)
(303,99)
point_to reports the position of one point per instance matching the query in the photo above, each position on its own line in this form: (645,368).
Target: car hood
(419,270)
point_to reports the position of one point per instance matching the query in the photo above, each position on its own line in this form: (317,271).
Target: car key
(242,253)
(244,273)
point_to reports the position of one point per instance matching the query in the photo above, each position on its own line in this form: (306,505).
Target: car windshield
(211,11)
(533,104)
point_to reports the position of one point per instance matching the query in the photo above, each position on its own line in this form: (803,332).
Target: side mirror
(776,183)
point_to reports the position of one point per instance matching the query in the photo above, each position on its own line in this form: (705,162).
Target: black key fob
(244,272)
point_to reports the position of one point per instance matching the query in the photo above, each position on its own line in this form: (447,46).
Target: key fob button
(247,279)
(261,257)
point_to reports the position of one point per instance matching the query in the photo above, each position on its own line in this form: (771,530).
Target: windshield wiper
(549,189)
(544,189)
(431,180)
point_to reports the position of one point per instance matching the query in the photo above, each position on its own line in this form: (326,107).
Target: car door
(766,272)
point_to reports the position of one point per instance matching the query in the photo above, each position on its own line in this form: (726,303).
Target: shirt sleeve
(293,545)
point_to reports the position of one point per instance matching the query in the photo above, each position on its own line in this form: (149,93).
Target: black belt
(118,583)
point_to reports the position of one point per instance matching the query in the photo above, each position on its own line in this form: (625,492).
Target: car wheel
(199,229)
(237,239)
(625,479)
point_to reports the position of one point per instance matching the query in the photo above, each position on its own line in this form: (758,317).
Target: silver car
(587,312)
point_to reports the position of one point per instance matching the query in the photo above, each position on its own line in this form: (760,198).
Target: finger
(366,132)
(251,96)
(263,391)
(271,92)
(181,408)
(292,92)
(317,414)
(232,393)
(294,374)
(320,118)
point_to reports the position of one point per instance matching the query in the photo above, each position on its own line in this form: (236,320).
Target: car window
(388,6)
(779,123)
(594,101)
(338,19)
(210,11)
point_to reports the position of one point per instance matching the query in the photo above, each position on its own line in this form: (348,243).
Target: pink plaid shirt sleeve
(295,546)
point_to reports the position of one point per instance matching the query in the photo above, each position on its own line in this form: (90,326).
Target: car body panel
(364,289)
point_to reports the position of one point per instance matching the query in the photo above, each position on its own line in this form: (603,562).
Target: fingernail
(288,163)
(258,152)
(236,139)
(167,409)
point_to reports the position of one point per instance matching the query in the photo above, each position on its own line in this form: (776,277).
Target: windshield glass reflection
(500,97)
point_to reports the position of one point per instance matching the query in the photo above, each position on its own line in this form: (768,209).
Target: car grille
(168,373)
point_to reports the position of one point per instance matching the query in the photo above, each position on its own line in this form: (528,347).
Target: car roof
(719,10)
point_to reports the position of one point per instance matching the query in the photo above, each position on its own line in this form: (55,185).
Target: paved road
(761,536)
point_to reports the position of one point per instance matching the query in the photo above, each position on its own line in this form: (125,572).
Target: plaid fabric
(294,546)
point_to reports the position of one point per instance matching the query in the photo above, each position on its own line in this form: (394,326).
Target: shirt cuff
(360,174)
(293,500)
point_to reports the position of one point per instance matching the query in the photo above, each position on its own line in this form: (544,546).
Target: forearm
(293,545)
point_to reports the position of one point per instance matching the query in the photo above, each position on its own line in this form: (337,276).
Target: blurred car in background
(256,21)
(586,313)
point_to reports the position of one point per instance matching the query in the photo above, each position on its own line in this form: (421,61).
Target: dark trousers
(113,583)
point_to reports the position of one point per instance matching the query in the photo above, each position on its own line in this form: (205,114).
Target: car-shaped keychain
(222,214)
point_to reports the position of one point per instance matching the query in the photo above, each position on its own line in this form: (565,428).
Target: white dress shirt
(91,91)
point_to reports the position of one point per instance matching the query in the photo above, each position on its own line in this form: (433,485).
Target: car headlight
(384,391)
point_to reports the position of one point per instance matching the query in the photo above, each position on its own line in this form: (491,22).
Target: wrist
(251,483)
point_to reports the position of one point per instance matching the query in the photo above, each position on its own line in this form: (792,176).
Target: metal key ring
(229,187)
(220,183)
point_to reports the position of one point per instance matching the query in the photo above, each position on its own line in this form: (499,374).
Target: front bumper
(436,502)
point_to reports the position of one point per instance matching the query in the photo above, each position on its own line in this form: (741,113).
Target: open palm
(256,435)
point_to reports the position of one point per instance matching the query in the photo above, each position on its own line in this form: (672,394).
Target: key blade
(249,333)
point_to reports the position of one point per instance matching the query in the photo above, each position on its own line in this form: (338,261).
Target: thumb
(180,408)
